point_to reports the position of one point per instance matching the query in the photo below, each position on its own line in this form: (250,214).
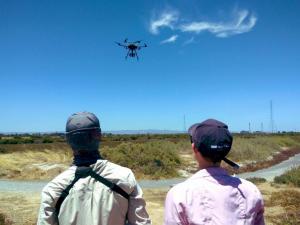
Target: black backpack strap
(82,172)
(109,184)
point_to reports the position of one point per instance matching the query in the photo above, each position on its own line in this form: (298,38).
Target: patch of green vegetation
(257,180)
(30,139)
(157,159)
(290,177)
(47,140)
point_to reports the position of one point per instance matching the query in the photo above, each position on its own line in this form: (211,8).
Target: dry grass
(155,204)
(32,164)
(22,209)
(289,202)
(282,204)
(19,209)
(260,148)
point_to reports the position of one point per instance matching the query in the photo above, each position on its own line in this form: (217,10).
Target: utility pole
(249,127)
(271,117)
(262,127)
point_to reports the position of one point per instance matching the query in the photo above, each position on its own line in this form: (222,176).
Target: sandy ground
(22,209)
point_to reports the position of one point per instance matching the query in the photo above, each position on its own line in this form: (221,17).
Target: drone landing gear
(137,57)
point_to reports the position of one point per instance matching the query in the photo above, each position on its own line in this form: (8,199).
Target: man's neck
(86,158)
(207,164)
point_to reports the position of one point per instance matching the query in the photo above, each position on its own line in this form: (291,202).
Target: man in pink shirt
(212,196)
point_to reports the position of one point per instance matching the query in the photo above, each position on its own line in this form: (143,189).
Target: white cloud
(189,41)
(243,22)
(171,39)
(166,19)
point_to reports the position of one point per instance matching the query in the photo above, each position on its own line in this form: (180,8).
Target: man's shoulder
(181,187)
(249,187)
(114,171)
(60,181)
(110,166)
(199,183)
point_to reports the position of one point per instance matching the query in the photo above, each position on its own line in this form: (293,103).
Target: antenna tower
(271,117)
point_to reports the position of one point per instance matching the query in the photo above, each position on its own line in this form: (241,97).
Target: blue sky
(206,59)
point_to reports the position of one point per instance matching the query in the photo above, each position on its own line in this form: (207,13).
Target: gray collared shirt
(90,202)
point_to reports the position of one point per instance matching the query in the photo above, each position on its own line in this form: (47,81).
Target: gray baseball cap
(82,121)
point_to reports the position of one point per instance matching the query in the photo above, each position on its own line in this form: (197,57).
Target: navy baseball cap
(213,139)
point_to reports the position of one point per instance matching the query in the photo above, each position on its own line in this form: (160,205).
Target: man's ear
(195,150)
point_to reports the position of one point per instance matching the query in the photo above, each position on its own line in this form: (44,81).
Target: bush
(47,140)
(256,180)
(157,159)
(290,177)
(28,141)
(9,141)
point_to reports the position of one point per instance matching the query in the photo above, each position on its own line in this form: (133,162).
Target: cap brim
(233,164)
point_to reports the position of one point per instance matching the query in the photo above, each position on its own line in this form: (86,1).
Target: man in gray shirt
(93,191)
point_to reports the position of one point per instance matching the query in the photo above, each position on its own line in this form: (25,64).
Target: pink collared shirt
(211,196)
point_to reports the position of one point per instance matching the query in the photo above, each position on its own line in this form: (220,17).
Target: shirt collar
(210,171)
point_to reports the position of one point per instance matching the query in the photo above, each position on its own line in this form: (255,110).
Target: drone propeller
(122,45)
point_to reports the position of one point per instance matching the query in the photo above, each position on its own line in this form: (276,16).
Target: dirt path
(271,172)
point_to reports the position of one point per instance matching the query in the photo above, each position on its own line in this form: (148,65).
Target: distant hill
(150,131)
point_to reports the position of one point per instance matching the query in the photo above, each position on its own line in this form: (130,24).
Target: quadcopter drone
(132,48)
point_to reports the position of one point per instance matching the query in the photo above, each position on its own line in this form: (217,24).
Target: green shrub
(290,177)
(9,141)
(256,180)
(47,140)
(28,141)
(157,159)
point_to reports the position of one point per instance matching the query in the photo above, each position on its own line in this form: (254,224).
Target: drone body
(132,48)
